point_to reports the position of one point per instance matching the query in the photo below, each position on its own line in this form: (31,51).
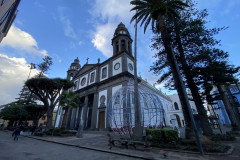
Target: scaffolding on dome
(120,110)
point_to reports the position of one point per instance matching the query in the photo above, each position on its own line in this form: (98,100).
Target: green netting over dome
(120,110)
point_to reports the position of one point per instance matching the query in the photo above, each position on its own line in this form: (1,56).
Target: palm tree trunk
(64,118)
(234,121)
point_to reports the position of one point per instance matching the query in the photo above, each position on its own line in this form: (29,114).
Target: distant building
(8,12)
(218,110)
(175,111)
(2,121)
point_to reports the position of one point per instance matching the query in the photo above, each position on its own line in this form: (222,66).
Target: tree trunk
(64,118)
(49,117)
(234,121)
(177,82)
(207,131)
(35,121)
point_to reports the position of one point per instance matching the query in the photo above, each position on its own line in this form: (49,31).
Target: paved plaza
(92,146)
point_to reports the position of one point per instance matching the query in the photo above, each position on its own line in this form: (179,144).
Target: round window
(83,81)
(117,66)
(102,99)
(130,66)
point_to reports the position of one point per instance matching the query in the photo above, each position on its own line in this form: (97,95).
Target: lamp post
(138,130)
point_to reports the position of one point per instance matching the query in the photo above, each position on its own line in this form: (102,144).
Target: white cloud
(112,10)
(102,39)
(13,72)
(20,40)
(110,13)
(67,25)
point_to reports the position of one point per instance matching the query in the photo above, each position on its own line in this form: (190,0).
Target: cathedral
(96,83)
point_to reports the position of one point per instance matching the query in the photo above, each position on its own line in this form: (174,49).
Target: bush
(223,137)
(162,135)
(65,132)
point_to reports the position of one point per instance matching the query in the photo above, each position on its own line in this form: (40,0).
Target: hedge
(162,135)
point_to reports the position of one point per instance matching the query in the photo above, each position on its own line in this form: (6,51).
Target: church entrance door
(101,120)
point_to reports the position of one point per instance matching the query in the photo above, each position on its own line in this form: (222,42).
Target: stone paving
(98,141)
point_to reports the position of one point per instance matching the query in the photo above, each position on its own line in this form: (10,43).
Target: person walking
(16,133)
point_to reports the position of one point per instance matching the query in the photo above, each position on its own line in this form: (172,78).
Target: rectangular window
(92,76)
(104,72)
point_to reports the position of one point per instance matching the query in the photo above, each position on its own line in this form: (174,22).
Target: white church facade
(96,84)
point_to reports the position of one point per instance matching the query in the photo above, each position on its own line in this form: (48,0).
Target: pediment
(84,69)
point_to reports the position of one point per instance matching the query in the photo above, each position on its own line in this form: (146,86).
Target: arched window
(123,47)
(117,47)
(129,47)
(176,106)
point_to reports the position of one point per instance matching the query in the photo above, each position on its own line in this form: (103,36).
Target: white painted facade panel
(130,66)
(117,66)
(115,89)
(93,72)
(101,73)
(81,82)
(76,85)
(101,94)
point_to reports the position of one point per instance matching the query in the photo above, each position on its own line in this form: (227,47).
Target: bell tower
(74,68)
(122,41)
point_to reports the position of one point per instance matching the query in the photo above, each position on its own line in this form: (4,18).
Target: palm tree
(68,100)
(158,11)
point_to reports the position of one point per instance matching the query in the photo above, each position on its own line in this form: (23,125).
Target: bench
(127,143)
(38,133)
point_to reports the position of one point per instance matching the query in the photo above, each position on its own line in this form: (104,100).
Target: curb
(94,149)
(230,150)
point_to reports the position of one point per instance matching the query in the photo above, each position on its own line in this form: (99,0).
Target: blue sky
(65,30)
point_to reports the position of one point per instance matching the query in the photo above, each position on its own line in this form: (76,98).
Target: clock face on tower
(117,66)
(130,66)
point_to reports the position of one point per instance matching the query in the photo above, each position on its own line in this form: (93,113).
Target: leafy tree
(157,12)
(35,112)
(44,66)
(48,91)
(13,112)
(224,77)
(195,47)
(68,100)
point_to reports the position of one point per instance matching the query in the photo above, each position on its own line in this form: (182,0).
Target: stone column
(69,118)
(84,116)
(120,45)
(109,96)
(94,111)
(126,45)
(77,117)
(73,118)
(114,47)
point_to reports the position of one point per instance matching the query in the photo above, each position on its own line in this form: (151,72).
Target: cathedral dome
(121,30)
(75,64)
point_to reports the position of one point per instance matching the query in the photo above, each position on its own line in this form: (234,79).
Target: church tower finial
(75,66)
(122,41)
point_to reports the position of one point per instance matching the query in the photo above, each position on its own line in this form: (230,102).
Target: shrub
(223,137)
(162,135)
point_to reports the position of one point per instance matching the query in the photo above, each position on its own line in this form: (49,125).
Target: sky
(65,30)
